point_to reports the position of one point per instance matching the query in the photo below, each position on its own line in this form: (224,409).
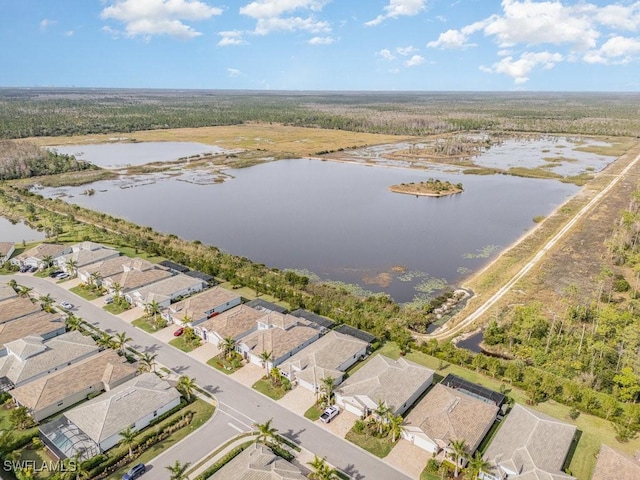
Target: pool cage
(66,440)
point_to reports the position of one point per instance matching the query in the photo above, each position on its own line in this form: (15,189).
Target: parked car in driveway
(66,305)
(108,300)
(135,472)
(62,276)
(55,274)
(329,414)
(178,332)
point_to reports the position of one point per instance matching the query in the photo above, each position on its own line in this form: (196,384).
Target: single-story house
(34,257)
(258,462)
(314,318)
(446,415)
(196,309)
(132,278)
(6,250)
(96,272)
(530,445)
(266,307)
(18,307)
(85,253)
(94,426)
(612,464)
(6,292)
(280,335)
(46,325)
(357,333)
(397,383)
(31,357)
(235,323)
(60,390)
(329,356)
(165,291)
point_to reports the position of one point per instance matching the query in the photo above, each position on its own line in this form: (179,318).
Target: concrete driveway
(165,335)
(205,352)
(341,424)
(132,314)
(248,374)
(298,400)
(408,458)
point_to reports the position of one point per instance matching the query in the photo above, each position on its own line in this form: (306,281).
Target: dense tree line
(24,160)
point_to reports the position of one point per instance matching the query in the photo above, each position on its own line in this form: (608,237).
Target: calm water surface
(18,232)
(340,221)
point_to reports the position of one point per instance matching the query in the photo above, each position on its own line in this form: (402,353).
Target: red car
(178,332)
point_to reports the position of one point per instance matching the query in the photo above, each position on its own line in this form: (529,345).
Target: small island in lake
(430,188)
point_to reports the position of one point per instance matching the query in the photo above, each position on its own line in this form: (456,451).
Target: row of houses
(48,370)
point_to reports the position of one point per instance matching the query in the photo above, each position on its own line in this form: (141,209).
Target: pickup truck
(329,414)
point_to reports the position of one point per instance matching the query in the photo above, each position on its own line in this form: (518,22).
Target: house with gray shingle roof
(530,446)
(165,291)
(95,425)
(110,267)
(34,257)
(196,309)
(258,462)
(17,307)
(329,356)
(6,292)
(279,334)
(41,323)
(59,390)
(446,415)
(85,253)
(132,278)
(235,323)
(612,464)
(31,357)
(6,250)
(397,383)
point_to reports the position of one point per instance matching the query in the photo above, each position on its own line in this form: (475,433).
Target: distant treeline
(24,160)
(34,113)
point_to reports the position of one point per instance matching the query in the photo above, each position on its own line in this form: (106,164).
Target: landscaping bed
(88,293)
(266,387)
(147,324)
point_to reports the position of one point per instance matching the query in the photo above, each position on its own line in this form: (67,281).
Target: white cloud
(398,8)
(414,61)
(386,54)
(321,41)
(290,24)
(108,30)
(231,37)
(45,22)
(620,16)
(615,50)
(519,69)
(269,16)
(276,8)
(159,17)
(233,72)
(69,33)
(458,38)
(404,51)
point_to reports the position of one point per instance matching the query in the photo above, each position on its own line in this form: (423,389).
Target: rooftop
(278,341)
(84,257)
(474,390)
(43,250)
(199,305)
(31,356)
(354,332)
(174,266)
(531,443)
(5,247)
(167,287)
(260,304)
(133,278)
(16,308)
(233,322)
(446,415)
(325,355)
(258,462)
(113,411)
(38,323)
(107,367)
(115,265)
(6,292)
(392,381)
(313,317)
(612,464)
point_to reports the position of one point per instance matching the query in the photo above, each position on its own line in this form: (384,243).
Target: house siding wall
(46,412)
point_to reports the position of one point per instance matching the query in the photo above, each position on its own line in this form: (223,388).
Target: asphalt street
(240,406)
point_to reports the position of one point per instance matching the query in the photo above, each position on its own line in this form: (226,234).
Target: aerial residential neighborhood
(90,395)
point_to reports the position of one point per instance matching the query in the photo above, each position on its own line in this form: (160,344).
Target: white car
(329,414)
(62,276)
(66,305)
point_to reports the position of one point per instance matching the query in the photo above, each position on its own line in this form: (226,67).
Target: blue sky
(427,45)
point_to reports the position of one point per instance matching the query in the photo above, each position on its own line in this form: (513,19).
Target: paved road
(445,331)
(239,405)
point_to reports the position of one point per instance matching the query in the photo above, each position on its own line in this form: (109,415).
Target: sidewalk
(239,440)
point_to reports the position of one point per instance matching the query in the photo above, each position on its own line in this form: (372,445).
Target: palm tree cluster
(382,423)
(322,470)
(457,452)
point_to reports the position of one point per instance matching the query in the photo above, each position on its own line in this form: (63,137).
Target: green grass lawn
(594,430)
(133,253)
(250,293)
(313,413)
(116,308)
(225,366)
(429,476)
(380,447)
(85,292)
(203,412)
(37,457)
(264,386)
(146,325)
(181,344)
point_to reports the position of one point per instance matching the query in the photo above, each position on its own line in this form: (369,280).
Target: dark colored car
(135,472)
(33,269)
(57,272)
(178,332)
(24,268)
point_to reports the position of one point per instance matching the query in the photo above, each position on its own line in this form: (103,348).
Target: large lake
(10,232)
(339,220)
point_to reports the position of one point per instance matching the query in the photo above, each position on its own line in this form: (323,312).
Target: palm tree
(228,347)
(23,291)
(105,341)
(266,358)
(276,376)
(382,412)
(178,470)
(153,309)
(458,452)
(47,260)
(73,322)
(396,426)
(120,340)
(265,431)
(95,278)
(148,361)
(47,301)
(186,385)
(478,464)
(72,267)
(321,470)
(327,388)
(13,284)
(128,439)
(117,290)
